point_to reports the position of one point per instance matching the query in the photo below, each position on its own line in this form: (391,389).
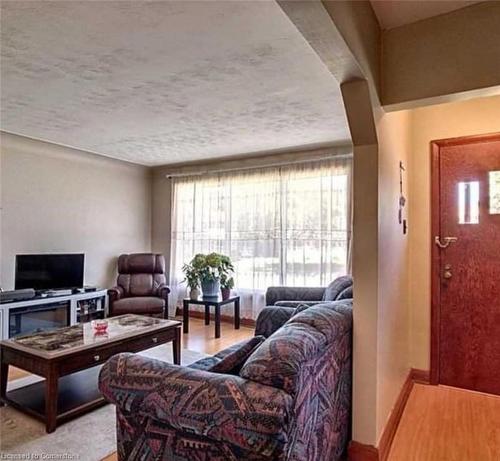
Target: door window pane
(468,202)
(494,185)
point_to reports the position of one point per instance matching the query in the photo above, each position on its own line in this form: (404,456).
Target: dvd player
(65,292)
(16,295)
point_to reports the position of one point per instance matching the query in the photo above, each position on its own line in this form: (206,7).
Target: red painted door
(468,268)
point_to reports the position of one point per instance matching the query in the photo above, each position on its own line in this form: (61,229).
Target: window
(494,192)
(468,202)
(280,226)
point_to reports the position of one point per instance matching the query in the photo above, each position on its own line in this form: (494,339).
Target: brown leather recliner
(141,286)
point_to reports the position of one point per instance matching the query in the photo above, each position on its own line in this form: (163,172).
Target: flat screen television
(49,271)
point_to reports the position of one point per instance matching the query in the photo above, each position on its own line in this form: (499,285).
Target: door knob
(447,274)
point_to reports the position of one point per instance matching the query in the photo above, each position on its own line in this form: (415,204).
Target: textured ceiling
(395,13)
(164,82)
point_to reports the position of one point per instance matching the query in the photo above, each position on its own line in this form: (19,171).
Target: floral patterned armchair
(287,397)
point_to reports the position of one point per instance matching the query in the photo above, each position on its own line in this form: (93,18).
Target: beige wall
(465,118)
(365,308)
(56,199)
(380,261)
(393,131)
(359,112)
(359,28)
(442,55)
(1,214)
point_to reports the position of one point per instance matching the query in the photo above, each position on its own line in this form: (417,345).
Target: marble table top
(83,335)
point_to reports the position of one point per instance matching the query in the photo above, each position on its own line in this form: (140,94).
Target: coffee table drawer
(91,357)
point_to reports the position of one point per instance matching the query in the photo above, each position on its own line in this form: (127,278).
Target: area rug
(90,437)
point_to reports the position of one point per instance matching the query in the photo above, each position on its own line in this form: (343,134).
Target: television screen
(49,271)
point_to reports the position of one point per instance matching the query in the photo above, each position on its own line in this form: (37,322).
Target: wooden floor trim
(361,452)
(414,376)
(420,376)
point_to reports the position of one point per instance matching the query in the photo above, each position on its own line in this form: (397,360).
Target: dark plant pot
(226,293)
(210,288)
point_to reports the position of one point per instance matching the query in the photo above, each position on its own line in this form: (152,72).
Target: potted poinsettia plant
(210,270)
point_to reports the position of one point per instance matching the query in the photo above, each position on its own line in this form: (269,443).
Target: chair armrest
(115,294)
(274,294)
(271,318)
(163,291)
(222,407)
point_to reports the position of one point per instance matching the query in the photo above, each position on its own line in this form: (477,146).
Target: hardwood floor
(16,373)
(202,338)
(442,423)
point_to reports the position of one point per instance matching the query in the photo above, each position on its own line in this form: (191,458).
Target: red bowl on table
(100,326)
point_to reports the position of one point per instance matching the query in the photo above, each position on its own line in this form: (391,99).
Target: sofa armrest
(271,318)
(115,294)
(163,291)
(274,294)
(222,407)
(296,304)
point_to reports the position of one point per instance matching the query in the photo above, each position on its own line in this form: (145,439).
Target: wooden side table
(217,302)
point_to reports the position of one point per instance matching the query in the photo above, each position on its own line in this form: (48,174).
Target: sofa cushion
(139,305)
(345,294)
(271,318)
(232,362)
(301,307)
(231,359)
(336,287)
(278,360)
(205,363)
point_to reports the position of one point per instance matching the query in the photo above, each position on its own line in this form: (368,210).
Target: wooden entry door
(465,344)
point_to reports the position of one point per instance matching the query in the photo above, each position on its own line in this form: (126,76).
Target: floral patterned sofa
(284,302)
(285,397)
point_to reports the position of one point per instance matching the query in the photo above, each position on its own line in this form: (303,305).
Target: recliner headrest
(141,263)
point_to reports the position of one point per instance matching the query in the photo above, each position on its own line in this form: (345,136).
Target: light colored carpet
(90,437)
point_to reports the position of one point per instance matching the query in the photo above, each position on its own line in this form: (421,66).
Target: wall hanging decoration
(402,200)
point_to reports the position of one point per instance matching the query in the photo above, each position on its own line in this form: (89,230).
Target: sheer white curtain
(286,225)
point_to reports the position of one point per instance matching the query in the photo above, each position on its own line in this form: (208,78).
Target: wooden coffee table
(69,358)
